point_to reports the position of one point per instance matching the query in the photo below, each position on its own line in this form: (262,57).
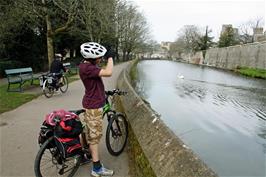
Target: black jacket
(57,66)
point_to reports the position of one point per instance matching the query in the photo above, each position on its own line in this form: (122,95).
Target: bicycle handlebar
(115,92)
(48,74)
(108,93)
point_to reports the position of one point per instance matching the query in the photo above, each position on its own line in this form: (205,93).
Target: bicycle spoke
(116,135)
(48,162)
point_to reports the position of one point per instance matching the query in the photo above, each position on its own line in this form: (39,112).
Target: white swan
(180,76)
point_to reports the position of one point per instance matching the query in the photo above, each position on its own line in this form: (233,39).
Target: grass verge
(252,72)
(12,100)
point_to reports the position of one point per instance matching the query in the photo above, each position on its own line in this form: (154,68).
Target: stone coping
(167,155)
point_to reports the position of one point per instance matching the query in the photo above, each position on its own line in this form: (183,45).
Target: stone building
(166,45)
(225,27)
(258,35)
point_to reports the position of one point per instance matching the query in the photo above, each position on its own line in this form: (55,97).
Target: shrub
(8,64)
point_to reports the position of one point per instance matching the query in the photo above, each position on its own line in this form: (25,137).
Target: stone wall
(196,58)
(250,55)
(165,154)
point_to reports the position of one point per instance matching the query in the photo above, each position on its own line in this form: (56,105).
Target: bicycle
(50,82)
(117,128)
(49,151)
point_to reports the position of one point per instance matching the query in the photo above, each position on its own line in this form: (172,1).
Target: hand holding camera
(110,53)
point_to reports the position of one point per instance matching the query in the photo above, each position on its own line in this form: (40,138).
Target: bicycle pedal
(61,171)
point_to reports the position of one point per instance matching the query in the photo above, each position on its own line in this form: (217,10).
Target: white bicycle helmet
(58,55)
(92,50)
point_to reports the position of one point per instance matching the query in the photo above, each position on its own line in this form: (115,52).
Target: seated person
(57,67)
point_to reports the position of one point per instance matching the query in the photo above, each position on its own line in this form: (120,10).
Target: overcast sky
(166,17)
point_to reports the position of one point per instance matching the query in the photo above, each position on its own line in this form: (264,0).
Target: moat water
(220,115)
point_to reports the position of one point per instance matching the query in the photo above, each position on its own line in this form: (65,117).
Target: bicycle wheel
(49,162)
(63,88)
(47,89)
(116,134)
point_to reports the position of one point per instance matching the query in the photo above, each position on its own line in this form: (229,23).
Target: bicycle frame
(111,116)
(107,106)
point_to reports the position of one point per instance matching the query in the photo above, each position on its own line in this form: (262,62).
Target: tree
(120,22)
(228,38)
(30,27)
(246,30)
(147,48)
(174,50)
(98,18)
(132,29)
(191,39)
(57,14)
(115,23)
(205,41)
(190,35)
(21,44)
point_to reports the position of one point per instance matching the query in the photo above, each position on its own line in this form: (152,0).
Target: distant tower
(258,35)
(225,27)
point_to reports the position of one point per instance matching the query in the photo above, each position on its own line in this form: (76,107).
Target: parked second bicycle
(51,83)
(56,79)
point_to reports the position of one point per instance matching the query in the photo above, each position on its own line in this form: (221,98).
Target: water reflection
(220,115)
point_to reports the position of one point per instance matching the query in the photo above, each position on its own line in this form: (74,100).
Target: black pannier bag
(45,133)
(67,135)
(70,128)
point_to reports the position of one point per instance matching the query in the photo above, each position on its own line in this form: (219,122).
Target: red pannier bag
(69,146)
(67,128)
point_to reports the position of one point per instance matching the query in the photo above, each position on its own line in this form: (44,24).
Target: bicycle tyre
(117,129)
(64,88)
(47,89)
(55,164)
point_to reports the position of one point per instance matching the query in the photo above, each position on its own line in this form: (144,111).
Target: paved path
(3,81)
(19,131)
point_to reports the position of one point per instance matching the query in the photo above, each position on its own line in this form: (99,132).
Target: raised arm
(107,72)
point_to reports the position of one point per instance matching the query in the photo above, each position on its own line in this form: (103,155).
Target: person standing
(94,98)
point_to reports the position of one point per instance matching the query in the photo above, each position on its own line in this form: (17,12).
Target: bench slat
(18,71)
(14,80)
(66,64)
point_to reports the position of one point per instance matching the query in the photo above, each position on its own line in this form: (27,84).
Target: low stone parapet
(162,153)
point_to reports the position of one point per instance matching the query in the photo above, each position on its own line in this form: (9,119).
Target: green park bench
(72,69)
(19,76)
